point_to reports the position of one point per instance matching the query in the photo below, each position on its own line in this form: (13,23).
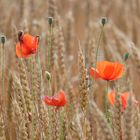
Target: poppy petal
(94,73)
(27,39)
(111,97)
(48,100)
(22,51)
(57,100)
(108,71)
(31,42)
(100,67)
(124,98)
(118,71)
(62,98)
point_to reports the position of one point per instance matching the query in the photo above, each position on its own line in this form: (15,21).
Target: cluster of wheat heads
(67,49)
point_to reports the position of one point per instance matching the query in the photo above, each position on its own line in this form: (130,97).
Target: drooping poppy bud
(48,75)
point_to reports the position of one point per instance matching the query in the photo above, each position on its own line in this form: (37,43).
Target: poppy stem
(97,51)
(32,73)
(106,103)
(49,87)
(49,46)
(2,66)
(98,45)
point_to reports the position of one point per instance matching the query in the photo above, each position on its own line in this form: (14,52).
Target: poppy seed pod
(50,20)
(3,39)
(104,20)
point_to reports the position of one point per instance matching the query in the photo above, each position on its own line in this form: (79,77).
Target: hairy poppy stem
(2,62)
(98,45)
(50,45)
(32,73)
(106,102)
(97,51)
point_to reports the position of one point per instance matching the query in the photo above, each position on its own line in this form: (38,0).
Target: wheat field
(69,69)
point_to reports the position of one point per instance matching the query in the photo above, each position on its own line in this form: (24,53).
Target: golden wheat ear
(128,121)
(83,88)
(117,118)
(105,127)
(2,127)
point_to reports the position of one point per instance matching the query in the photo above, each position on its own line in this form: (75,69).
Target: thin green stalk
(49,89)
(2,66)
(106,102)
(33,60)
(50,45)
(32,82)
(124,79)
(30,61)
(98,45)
(97,52)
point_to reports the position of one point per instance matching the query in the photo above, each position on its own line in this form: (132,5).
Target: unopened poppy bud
(126,56)
(48,75)
(3,39)
(104,20)
(20,34)
(50,20)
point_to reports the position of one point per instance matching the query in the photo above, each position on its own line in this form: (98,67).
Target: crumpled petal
(56,100)
(27,46)
(22,51)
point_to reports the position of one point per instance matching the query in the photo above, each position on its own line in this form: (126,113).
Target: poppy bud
(50,20)
(48,75)
(126,56)
(3,39)
(103,21)
(20,34)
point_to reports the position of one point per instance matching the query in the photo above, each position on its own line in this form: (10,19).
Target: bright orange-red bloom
(123,98)
(26,46)
(57,100)
(107,70)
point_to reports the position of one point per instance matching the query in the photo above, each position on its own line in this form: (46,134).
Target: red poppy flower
(26,46)
(57,100)
(107,70)
(123,98)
